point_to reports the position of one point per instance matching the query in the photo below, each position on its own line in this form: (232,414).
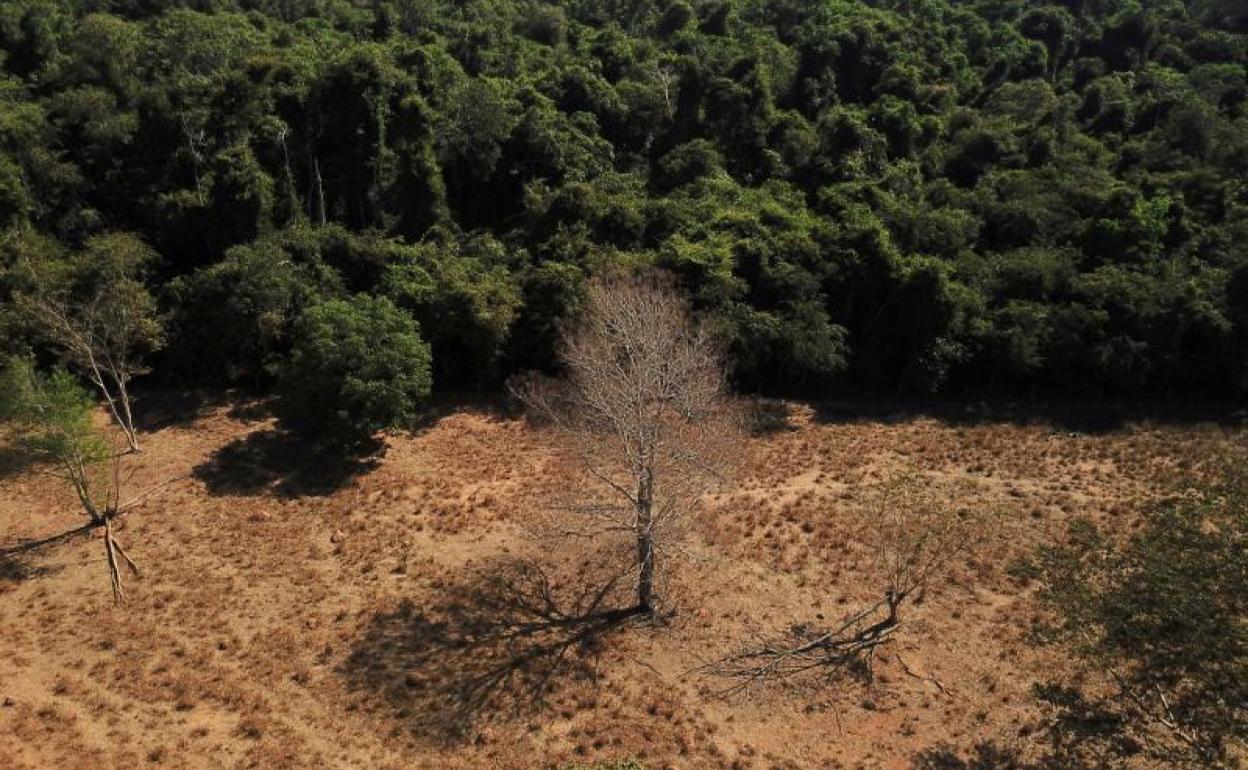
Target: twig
(152,490)
(906,667)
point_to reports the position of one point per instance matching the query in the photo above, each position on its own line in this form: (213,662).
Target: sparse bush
(767,416)
(1163,616)
(614,764)
(51,418)
(93,307)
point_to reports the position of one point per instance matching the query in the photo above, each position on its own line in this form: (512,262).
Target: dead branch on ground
(913,539)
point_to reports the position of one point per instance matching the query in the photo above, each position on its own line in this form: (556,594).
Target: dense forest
(990,197)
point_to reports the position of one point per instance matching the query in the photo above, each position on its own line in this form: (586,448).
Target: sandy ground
(297,611)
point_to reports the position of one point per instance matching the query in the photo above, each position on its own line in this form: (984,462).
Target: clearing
(303,611)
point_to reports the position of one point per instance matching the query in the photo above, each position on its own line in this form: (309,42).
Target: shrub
(1163,617)
(232,319)
(356,366)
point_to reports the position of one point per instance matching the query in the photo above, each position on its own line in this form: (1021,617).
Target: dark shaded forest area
(1000,197)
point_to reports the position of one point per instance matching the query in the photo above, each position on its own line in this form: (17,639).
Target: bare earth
(295,612)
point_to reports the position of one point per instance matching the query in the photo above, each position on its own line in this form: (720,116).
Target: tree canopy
(356,366)
(982,196)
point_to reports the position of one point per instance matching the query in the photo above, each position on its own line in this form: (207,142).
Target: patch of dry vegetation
(305,630)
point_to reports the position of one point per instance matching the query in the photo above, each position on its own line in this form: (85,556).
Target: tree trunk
(320,191)
(126,421)
(127,425)
(645,578)
(645,544)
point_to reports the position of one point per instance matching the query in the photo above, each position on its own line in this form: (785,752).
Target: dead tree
(643,408)
(911,538)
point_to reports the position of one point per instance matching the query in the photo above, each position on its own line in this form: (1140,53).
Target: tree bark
(320,191)
(645,579)
(645,543)
(127,425)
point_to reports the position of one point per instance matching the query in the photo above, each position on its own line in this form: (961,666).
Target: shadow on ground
(1073,416)
(156,409)
(14,459)
(290,459)
(495,647)
(17,569)
(988,755)
(286,463)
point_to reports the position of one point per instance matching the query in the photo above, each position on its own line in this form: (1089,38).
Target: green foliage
(465,295)
(111,268)
(356,365)
(1165,616)
(902,195)
(50,420)
(92,306)
(232,319)
(752,259)
(52,410)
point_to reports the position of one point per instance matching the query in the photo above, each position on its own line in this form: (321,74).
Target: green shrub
(232,319)
(356,366)
(48,417)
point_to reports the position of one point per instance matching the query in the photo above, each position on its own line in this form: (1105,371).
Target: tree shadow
(1074,734)
(443,405)
(286,463)
(988,755)
(15,459)
(17,569)
(1091,417)
(158,409)
(495,646)
(295,458)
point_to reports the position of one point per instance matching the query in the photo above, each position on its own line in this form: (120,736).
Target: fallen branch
(57,539)
(853,642)
(910,672)
(70,534)
(913,538)
(150,491)
(113,550)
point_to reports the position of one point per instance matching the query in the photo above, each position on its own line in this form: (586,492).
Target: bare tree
(102,318)
(666,77)
(643,408)
(910,538)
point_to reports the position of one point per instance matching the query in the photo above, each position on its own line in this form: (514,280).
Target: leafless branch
(643,411)
(912,538)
